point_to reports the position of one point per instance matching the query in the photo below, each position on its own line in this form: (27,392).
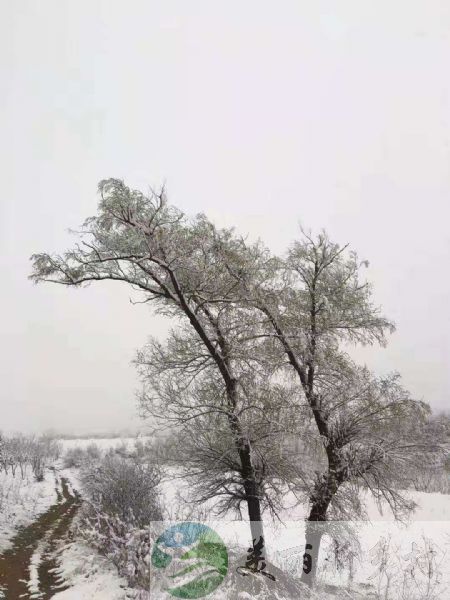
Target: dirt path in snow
(43,538)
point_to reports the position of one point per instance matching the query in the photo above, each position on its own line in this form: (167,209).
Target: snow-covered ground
(90,576)
(388,548)
(404,542)
(21,501)
(93,577)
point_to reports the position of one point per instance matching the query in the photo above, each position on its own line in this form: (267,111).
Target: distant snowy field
(102,443)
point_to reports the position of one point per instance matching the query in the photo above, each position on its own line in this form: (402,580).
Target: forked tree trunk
(315,524)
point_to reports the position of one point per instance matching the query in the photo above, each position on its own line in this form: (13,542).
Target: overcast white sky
(261,114)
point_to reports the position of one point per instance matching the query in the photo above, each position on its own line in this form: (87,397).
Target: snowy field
(90,576)
(399,545)
(387,548)
(102,443)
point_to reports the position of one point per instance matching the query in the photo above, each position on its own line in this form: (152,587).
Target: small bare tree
(41,454)
(15,453)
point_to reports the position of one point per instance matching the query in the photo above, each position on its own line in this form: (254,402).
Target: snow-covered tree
(312,305)
(184,391)
(177,264)
(316,305)
(250,325)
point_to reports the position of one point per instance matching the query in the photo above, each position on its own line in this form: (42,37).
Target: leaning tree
(178,265)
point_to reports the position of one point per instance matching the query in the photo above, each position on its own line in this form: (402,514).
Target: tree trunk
(249,477)
(315,524)
(251,489)
(313,536)
(254,514)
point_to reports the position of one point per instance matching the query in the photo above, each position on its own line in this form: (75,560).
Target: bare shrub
(431,481)
(74,458)
(127,547)
(19,452)
(122,450)
(124,488)
(123,500)
(93,452)
(43,451)
(416,575)
(431,473)
(77,457)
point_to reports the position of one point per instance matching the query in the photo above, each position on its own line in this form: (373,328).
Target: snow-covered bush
(144,451)
(124,488)
(431,473)
(127,546)
(14,453)
(122,501)
(93,452)
(74,458)
(20,452)
(432,481)
(77,457)
(44,451)
(121,450)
